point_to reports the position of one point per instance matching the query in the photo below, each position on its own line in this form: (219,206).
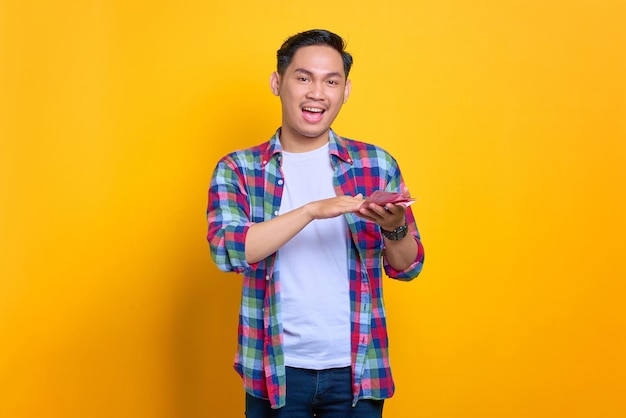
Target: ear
(275,83)
(346,91)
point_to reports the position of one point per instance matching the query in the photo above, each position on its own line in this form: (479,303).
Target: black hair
(309,38)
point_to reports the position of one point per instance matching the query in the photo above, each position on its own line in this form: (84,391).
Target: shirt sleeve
(394,184)
(228,215)
(415,268)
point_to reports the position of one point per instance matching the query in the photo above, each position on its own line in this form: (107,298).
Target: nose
(316,91)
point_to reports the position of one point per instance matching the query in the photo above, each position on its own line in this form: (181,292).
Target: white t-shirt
(314,283)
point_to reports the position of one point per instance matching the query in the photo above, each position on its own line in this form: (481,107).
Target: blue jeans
(316,393)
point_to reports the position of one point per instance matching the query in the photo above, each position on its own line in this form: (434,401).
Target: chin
(314,135)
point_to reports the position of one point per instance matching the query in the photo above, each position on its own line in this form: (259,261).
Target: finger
(395,209)
(377,214)
(373,210)
(367,211)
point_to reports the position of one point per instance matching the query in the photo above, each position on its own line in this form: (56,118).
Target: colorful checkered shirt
(246,188)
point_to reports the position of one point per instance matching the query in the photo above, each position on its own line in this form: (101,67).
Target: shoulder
(367,153)
(246,156)
(359,145)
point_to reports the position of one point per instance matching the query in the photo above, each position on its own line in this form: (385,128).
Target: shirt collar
(337,147)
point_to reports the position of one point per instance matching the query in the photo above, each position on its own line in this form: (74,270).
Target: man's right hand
(334,206)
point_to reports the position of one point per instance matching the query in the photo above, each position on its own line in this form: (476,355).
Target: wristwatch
(397,234)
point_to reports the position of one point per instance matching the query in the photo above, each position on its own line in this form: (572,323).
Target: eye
(303,79)
(333,82)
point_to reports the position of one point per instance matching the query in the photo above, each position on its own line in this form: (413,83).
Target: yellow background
(507,117)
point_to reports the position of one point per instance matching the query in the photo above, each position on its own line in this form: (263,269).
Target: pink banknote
(382,198)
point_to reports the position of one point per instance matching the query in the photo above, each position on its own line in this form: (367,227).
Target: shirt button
(267,277)
(280,182)
(276,212)
(264,162)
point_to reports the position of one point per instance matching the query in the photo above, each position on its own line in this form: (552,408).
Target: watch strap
(397,234)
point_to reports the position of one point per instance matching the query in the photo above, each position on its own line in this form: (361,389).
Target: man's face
(312,91)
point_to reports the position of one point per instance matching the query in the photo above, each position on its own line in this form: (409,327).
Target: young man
(290,215)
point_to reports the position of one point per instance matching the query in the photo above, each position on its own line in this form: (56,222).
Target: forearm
(265,238)
(401,254)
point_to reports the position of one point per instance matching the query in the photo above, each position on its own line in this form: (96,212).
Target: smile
(313,114)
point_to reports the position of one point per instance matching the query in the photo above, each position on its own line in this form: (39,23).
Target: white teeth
(313,109)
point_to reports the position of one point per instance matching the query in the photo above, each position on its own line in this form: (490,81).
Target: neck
(293,142)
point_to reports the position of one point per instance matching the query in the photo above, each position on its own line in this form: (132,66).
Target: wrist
(396,234)
(308,212)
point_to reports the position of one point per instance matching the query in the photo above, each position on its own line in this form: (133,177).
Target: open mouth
(313,114)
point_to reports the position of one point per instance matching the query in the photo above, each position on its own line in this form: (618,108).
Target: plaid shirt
(246,188)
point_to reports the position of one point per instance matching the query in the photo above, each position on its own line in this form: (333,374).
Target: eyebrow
(310,74)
